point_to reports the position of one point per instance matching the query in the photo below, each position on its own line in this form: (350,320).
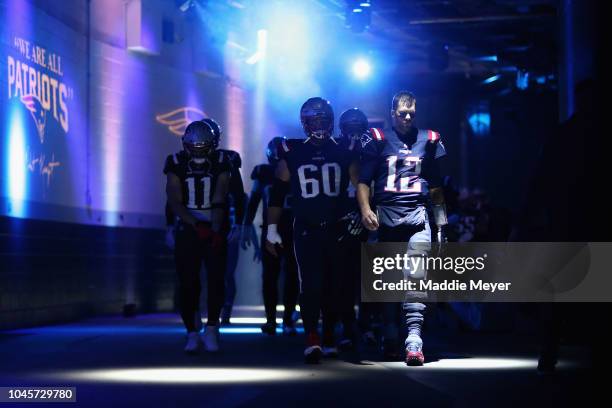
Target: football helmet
(272,149)
(216,129)
(317,117)
(353,123)
(199,141)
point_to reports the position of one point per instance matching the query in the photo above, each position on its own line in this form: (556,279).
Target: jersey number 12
(405,185)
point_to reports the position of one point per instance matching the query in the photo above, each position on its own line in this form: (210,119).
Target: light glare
(193,375)
(361,68)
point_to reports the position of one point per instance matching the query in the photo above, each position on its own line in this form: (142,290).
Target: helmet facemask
(318,126)
(353,124)
(198,152)
(353,131)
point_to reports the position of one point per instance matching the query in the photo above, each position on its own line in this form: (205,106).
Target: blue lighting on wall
(487,58)
(479,118)
(16,163)
(522,80)
(491,79)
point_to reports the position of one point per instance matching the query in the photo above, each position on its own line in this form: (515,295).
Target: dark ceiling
(522,34)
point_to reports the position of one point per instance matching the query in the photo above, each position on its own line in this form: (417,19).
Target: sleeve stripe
(433,136)
(175,158)
(378,134)
(221,156)
(285,147)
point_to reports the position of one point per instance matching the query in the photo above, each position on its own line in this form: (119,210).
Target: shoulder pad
(174,162)
(179,157)
(288,145)
(433,136)
(225,156)
(373,136)
(234,158)
(377,134)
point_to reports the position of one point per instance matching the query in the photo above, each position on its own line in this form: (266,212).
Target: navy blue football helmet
(317,117)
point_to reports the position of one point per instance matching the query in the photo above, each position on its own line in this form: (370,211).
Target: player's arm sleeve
(219,199)
(440,149)
(368,163)
(170,164)
(433,169)
(237,193)
(170,167)
(280,185)
(169,215)
(279,191)
(254,198)
(174,196)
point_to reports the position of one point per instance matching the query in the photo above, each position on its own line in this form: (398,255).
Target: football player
(403,164)
(231,224)
(263,177)
(353,123)
(318,171)
(197,187)
(233,220)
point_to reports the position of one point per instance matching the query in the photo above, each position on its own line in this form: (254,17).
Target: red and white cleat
(414,351)
(414,358)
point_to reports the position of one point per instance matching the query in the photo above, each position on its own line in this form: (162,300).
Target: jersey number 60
(310,185)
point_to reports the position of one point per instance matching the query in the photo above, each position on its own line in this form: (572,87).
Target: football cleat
(269,329)
(369,338)
(414,350)
(329,351)
(312,352)
(345,344)
(193,343)
(547,363)
(289,330)
(211,338)
(390,350)
(198,321)
(414,356)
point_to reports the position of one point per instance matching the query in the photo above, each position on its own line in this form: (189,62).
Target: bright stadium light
(361,68)
(491,79)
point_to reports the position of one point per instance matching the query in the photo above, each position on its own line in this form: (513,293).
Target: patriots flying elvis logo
(33,104)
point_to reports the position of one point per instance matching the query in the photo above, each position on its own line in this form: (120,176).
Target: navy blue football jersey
(230,155)
(263,173)
(349,197)
(402,168)
(236,186)
(198,183)
(319,178)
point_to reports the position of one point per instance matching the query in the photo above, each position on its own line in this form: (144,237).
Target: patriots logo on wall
(33,104)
